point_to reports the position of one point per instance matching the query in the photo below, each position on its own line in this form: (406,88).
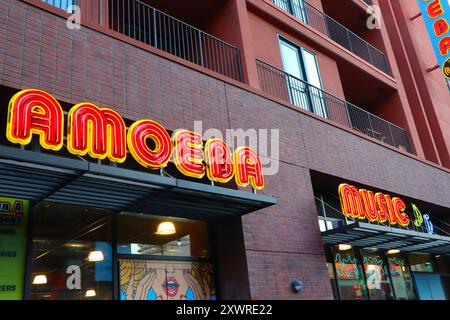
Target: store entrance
(429,286)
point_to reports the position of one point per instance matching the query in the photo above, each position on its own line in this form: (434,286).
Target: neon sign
(421,219)
(379,207)
(362,204)
(436,14)
(101,133)
(346,268)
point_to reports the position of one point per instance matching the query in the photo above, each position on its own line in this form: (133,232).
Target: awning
(366,235)
(44,177)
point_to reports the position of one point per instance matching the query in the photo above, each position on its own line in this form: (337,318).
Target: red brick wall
(283,242)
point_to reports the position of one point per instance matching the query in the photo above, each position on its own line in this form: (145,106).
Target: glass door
(313,77)
(303,79)
(299,10)
(295,80)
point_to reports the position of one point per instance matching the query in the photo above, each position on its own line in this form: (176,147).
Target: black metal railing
(284,86)
(151,26)
(335,31)
(160,30)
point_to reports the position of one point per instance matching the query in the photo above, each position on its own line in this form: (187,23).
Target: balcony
(284,86)
(146,24)
(335,31)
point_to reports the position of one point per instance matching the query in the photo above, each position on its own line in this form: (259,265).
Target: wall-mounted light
(40,279)
(393,251)
(90,293)
(95,256)
(344,247)
(297,286)
(166,228)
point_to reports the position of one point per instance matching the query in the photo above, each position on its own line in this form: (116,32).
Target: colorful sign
(379,207)
(101,133)
(13,228)
(166,280)
(436,14)
(362,204)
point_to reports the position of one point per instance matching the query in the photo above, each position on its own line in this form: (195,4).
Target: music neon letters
(101,133)
(363,204)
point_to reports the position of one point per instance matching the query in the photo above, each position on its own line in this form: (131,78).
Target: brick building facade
(260,253)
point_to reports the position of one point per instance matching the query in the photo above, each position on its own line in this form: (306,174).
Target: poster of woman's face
(166,280)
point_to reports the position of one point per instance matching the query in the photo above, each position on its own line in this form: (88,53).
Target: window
(62,4)
(377,275)
(136,235)
(421,262)
(72,256)
(303,80)
(349,275)
(401,277)
(157,266)
(295,7)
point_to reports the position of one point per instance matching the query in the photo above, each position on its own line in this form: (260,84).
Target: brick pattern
(272,273)
(282,242)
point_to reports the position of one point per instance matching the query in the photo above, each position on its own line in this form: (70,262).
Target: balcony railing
(284,86)
(335,31)
(148,25)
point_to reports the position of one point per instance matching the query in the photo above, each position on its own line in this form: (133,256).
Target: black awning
(44,177)
(361,234)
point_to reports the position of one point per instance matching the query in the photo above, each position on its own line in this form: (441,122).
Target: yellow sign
(13,235)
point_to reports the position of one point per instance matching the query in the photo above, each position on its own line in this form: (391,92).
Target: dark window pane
(71,253)
(421,262)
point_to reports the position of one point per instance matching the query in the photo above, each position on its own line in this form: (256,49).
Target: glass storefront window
(72,256)
(158,266)
(349,275)
(137,235)
(401,277)
(377,275)
(166,280)
(421,262)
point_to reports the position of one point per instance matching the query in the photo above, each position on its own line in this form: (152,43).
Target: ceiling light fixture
(344,247)
(96,256)
(166,228)
(40,279)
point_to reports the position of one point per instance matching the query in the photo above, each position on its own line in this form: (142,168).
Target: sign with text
(381,208)
(13,228)
(436,14)
(101,133)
